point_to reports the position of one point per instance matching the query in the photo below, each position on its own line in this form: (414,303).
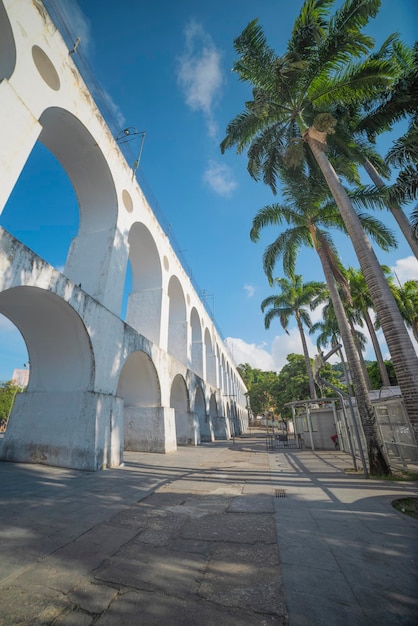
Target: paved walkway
(199,537)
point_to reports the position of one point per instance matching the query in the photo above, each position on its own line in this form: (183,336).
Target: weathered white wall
(75,337)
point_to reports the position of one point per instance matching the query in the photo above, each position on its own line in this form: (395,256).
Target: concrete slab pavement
(347,556)
(197,537)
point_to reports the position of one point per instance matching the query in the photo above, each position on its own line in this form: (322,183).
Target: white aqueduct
(98,385)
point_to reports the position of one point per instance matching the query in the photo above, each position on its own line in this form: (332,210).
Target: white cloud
(250,289)
(259,357)
(199,73)
(219,177)
(243,352)
(406,269)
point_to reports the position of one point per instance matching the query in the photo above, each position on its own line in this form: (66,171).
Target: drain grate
(280,493)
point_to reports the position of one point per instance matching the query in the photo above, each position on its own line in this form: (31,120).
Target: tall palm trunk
(360,355)
(312,388)
(377,461)
(379,356)
(396,211)
(403,355)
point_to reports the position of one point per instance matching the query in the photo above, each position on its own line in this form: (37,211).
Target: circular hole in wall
(127,201)
(166,263)
(46,68)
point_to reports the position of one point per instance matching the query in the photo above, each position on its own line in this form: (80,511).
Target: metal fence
(395,429)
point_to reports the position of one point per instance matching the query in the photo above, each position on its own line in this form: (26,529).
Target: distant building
(20,377)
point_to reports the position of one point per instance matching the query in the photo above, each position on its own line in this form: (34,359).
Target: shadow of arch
(144,302)
(186,424)
(7,46)
(76,149)
(139,389)
(59,347)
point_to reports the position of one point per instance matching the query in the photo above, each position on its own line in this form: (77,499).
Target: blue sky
(164,67)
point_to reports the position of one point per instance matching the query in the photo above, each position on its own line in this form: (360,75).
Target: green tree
(327,60)
(407,298)
(362,303)
(8,391)
(293,383)
(375,374)
(261,388)
(295,296)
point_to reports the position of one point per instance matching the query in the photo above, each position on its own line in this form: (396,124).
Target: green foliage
(375,377)
(261,387)
(8,392)
(293,384)
(268,391)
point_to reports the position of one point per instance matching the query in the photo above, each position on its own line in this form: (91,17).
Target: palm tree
(327,332)
(400,102)
(362,302)
(295,296)
(292,98)
(309,213)
(407,298)
(358,127)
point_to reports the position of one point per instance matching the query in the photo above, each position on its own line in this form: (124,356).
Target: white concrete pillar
(150,429)
(73,429)
(19,131)
(144,313)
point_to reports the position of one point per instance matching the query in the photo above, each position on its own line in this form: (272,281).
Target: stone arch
(7,46)
(144,301)
(210,359)
(196,343)
(205,426)
(55,420)
(186,425)
(177,321)
(59,347)
(139,388)
(79,154)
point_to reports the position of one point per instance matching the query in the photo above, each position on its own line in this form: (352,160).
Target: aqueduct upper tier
(98,384)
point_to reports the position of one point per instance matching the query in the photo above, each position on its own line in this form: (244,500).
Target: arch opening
(145,278)
(186,424)
(177,321)
(139,390)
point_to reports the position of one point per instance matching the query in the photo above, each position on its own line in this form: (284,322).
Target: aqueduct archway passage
(98,385)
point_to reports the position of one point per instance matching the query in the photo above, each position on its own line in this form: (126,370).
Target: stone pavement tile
(258,503)
(152,609)
(324,584)
(31,605)
(307,609)
(165,526)
(149,568)
(315,556)
(91,596)
(394,605)
(61,570)
(244,576)
(233,527)
(73,617)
